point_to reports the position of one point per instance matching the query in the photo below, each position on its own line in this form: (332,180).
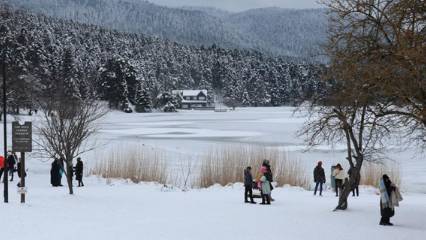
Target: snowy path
(131,211)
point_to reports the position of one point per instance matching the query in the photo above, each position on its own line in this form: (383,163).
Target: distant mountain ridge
(275,31)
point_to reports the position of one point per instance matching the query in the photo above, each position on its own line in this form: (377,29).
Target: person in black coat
(385,211)
(248,185)
(319,178)
(79,172)
(19,166)
(55,173)
(355,185)
(11,161)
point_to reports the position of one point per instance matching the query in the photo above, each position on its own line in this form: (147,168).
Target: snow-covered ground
(143,211)
(123,210)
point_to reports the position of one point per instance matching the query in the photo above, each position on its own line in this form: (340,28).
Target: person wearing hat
(319,178)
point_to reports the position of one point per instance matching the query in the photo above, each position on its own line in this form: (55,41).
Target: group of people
(263,182)
(13,165)
(57,171)
(389,192)
(338,178)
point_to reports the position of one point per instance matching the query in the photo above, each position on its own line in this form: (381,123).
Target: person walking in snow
(11,161)
(389,199)
(266,190)
(79,172)
(248,186)
(355,185)
(319,178)
(340,176)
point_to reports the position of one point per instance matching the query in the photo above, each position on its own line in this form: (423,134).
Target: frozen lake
(189,134)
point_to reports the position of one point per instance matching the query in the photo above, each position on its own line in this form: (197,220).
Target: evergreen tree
(113,83)
(106,63)
(246,101)
(69,88)
(143,100)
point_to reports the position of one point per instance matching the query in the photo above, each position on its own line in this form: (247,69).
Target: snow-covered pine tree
(110,60)
(142,99)
(246,101)
(170,107)
(68,78)
(113,84)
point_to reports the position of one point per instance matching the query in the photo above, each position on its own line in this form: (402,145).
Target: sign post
(22,142)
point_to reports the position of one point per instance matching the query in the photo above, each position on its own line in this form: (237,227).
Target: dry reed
(225,166)
(372,172)
(136,163)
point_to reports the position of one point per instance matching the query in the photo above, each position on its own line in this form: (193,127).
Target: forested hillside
(289,32)
(48,56)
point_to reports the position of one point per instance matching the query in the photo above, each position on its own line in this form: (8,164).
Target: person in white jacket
(340,175)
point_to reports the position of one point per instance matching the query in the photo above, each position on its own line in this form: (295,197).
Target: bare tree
(383,42)
(65,130)
(377,70)
(352,122)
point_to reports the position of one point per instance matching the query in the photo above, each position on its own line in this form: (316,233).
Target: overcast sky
(240,5)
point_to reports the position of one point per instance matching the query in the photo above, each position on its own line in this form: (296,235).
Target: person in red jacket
(2,166)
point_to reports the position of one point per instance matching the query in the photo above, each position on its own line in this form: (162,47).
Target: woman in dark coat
(357,180)
(11,161)
(389,199)
(55,175)
(79,172)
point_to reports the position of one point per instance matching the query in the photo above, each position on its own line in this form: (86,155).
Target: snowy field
(122,210)
(128,211)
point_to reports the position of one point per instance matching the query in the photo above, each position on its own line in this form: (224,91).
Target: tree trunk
(344,194)
(69,177)
(347,188)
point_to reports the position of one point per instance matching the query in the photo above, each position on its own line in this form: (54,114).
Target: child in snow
(266,189)
(248,185)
